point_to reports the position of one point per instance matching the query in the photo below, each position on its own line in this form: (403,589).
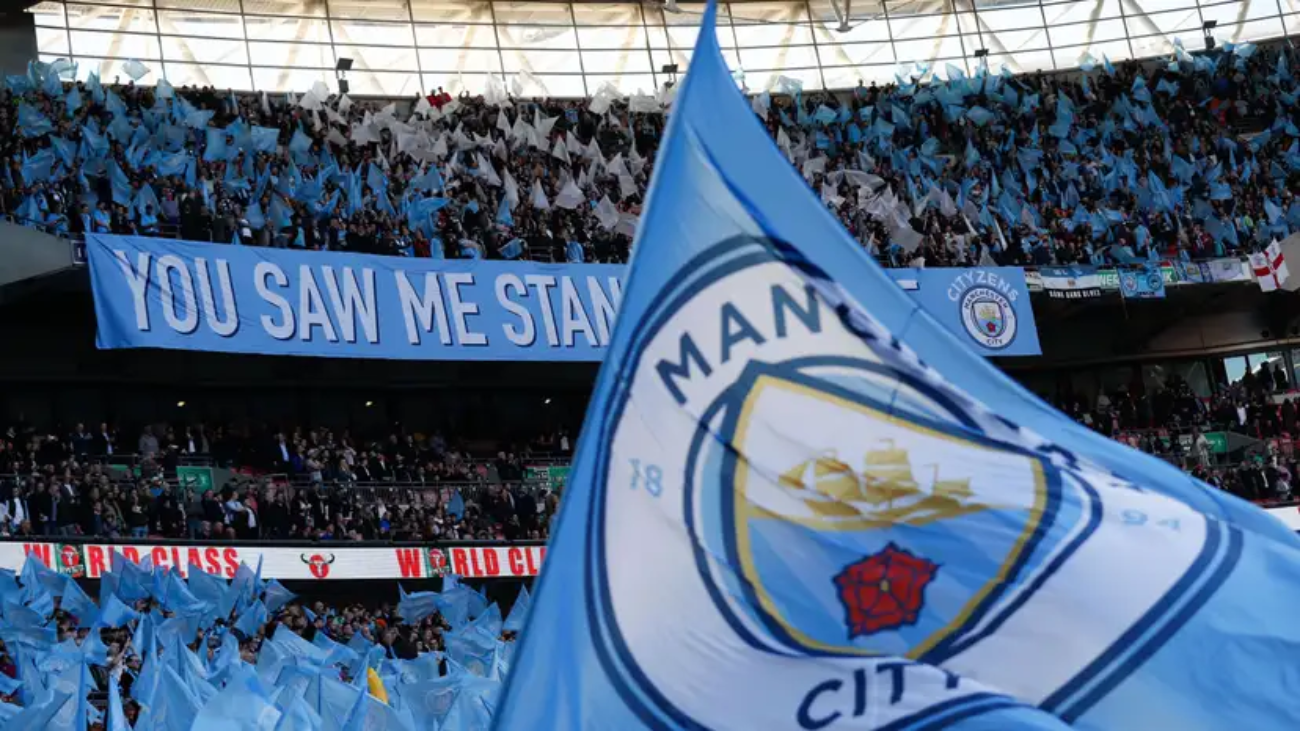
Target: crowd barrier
(303,561)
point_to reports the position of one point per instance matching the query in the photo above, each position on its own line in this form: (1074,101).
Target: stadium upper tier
(1194,157)
(570,50)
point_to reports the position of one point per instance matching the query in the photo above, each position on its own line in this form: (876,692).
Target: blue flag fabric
(37,168)
(243,704)
(78,604)
(31,123)
(252,619)
(417,606)
(116,716)
(835,503)
(277,596)
(518,612)
(265,139)
(513,249)
(36,575)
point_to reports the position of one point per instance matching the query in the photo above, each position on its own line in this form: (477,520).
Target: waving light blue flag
(870,524)
(38,167)
(116,716)
(417,606)
(252,619)
(518,611)
(78,604)
(73,101)
(31,123)
(504,216)
(242,704)
(276,595)
(36,575)
(513,249)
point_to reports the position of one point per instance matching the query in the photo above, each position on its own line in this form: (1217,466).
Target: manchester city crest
(988,317)
(818,502)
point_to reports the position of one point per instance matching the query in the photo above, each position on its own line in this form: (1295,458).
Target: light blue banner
(160,293)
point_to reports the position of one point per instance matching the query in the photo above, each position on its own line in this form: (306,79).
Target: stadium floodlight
(341,69)
(1206,27)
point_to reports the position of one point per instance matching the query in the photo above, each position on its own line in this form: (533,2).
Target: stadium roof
(571,49)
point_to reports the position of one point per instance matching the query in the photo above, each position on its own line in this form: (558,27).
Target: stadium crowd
(160,651)
(294,485)
(316,484)
(1194,156)
(1171,421)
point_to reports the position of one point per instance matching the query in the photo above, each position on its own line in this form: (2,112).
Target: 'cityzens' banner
(160,293)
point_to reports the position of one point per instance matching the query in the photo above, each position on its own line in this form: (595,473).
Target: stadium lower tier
(233,652)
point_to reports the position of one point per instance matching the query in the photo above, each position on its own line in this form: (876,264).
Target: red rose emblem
(884,591)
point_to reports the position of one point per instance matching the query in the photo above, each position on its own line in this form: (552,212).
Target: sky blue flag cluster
(294,685)
(854,520)
(170,138)
(1072,152)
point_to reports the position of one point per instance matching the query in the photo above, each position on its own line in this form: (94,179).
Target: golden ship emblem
(884,492)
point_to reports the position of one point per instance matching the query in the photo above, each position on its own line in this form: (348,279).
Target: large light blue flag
(31,123)
(518,611)
(252,619)
(242,704)
(265,138)
(84,686)
(174,706)
(298,716)
(504,216)
(431,700)
(116,716)
(336,653)
(488,623)
(472,651)
(93,649)
(276,595)
(37,575)
(414,607)
(40,715)
(146,683)
(209,588)
(8,583)
(179,599)
(859,522)
(459,604)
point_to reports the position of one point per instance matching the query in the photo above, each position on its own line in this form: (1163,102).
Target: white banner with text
(319,562)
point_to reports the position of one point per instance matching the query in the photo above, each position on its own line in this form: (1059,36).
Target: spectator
(148,446)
